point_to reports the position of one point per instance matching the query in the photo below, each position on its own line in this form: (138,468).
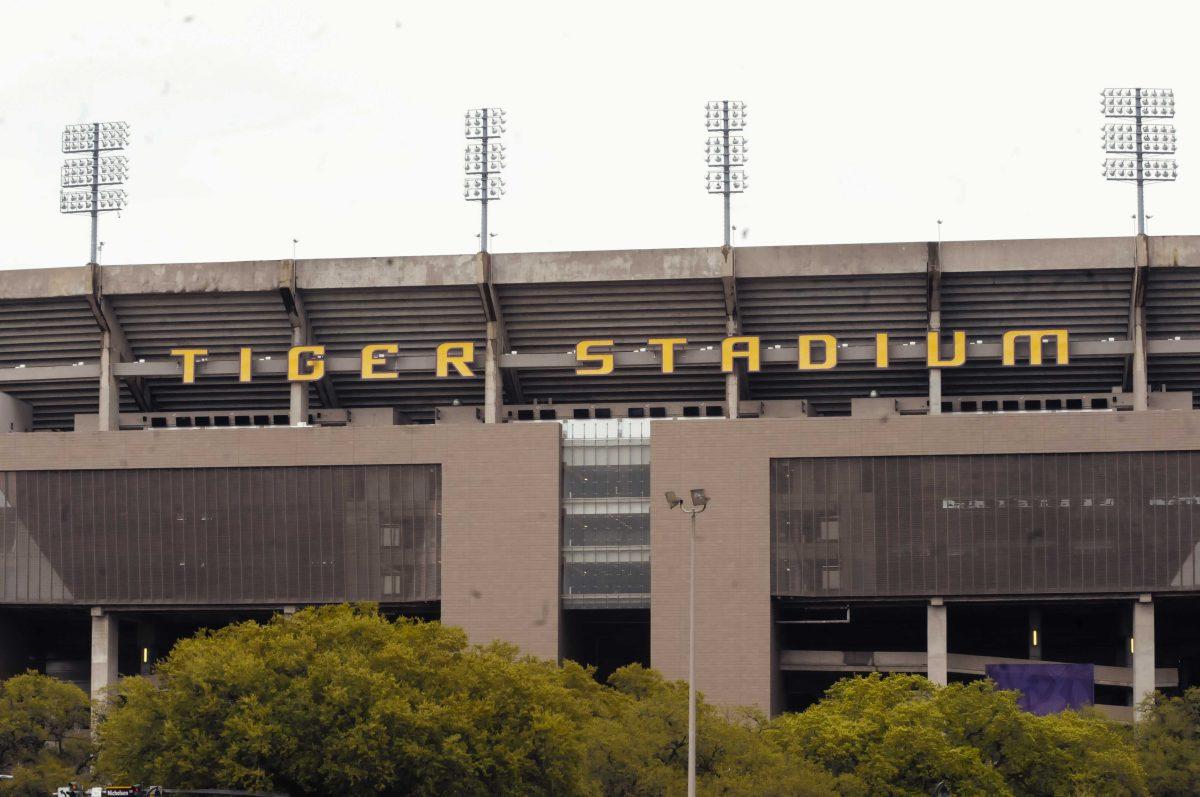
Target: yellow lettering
(881,350)
(604,360)
(806,342)
(189,362)
(312,359)
(245,360)
(933,350)
(730,352)
(372,358)
(668,351)
(459,354)
(1035,337)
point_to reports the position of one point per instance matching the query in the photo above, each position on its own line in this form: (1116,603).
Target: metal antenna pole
(1137,132)
(95,191)
(725,133)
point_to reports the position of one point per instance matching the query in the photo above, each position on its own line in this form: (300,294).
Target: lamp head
(699,498)
(673,500)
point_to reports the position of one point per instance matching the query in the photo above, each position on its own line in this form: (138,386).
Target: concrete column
(937,661)
(298,404)
(493,380)
(1035,634)
(935,374)
(104,652)
(110,388)
(733,379)
(1143,648)
(1138,375)
(733,392)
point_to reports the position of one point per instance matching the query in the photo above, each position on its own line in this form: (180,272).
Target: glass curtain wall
(606,514)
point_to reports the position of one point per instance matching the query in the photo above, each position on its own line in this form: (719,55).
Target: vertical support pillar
(1139,380)
(493,381)
(104,653)
(298,404)
(1143,648)
(937,658)
(1035,634)
(1138,375)
(110,388)
(733,379)
(935,374)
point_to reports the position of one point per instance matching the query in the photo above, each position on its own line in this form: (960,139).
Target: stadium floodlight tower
(1136,141)
(724,153)
(483,161)
(89,174)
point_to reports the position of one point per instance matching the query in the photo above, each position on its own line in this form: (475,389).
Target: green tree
(638,745)
(38,716)
(1168,743)
(901,735)
(339,700)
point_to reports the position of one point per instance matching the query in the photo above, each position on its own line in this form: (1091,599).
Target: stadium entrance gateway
(814,352)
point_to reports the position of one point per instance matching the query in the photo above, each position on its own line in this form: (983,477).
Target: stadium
(919,457)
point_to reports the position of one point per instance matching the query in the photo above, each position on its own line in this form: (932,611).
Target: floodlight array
(82,171)
(81,201)
(83,138)
(717,183)
(1155,139)
(1149,169)
(484,122)
(481,188)
(1128,103)
(718,154)
(479,159)
(725,115)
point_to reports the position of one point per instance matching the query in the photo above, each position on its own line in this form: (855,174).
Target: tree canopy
(901,735)
(37,747)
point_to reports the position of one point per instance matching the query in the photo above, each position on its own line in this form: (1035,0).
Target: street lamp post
(699,504)
(723,152)
(93,172)
(1137,140)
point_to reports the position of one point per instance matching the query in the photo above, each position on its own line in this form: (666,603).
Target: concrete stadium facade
(930,502)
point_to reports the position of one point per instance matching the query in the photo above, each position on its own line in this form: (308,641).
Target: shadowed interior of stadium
(920,457)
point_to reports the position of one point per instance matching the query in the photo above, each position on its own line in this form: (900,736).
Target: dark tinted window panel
(986,525)
(236,535)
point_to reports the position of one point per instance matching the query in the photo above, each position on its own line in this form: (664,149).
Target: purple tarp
(1047,688)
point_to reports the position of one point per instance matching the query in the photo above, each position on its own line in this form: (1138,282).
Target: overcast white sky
(340,124)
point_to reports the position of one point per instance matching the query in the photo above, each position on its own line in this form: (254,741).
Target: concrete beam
(248,276)
(45,283)
(53,373)
(391,272)
(612,266)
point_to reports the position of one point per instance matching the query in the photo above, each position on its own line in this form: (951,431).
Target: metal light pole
(1139,139)
(726,151)
(91,173)
(483,162)
(699,504)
